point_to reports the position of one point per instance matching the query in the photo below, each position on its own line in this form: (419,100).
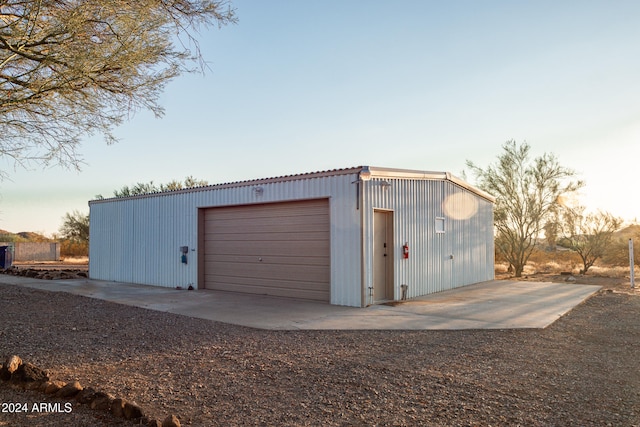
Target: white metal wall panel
(137,239)
(462,255)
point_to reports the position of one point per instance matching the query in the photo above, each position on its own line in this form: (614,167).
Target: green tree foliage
(74,234)
(527,193)
(69,69)
(589,235)
(150,187)
(75,227)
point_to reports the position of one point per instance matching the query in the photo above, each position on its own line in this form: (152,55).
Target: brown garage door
(279,249)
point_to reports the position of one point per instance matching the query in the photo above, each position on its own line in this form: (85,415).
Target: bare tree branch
(69,69)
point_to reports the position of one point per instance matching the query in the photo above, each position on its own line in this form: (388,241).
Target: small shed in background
(33,251)
(353,237)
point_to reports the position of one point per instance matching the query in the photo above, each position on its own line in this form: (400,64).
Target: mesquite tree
(589,235)
(75,227)
(527,193)
(151,187)
(74,68)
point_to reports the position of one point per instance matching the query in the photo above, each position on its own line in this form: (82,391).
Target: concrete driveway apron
(498,304)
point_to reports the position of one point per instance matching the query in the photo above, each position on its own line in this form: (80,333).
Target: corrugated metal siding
(416,204)
(137,240)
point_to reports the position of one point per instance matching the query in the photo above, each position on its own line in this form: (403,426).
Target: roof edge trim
(428,175)
(376,172)
(247,183)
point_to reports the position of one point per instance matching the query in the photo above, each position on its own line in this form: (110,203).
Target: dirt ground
(619,282)
(580,371)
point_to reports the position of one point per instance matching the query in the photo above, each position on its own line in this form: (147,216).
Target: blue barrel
(5,257)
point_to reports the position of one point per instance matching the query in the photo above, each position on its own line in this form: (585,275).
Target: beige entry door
(382,256)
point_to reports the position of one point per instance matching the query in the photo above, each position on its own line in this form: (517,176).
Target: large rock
(132,411)
(102,401)
(31,273)
(52,387)
(9,366)
(69,390)
(12,363)
(33,385)
(29,373)
(171,421)
(117,407)
(86,395)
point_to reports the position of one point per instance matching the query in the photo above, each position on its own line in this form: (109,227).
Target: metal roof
(371,171)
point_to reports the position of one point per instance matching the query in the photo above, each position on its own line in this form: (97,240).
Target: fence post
(632,264)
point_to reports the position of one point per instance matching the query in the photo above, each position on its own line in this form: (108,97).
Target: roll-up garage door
(279,249)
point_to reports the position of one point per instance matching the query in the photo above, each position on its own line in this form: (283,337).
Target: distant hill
(22,236)
(631,231)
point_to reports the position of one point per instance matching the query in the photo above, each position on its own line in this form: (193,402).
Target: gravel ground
(580,371)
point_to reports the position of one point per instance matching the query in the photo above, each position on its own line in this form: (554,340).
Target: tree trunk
(518,270)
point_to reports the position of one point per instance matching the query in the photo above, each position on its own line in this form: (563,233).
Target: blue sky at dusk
(302,86)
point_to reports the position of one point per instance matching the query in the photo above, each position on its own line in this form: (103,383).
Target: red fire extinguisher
(405,250)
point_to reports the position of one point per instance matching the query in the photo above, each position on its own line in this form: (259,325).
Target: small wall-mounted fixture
(365,174)
(258,191)
(184,250)
(384,184)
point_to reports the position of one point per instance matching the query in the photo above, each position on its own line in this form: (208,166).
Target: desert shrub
(554,260)
(612,271)
(70,248)
(501,268)
(618,252)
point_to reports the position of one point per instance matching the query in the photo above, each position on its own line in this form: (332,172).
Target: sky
(303,86)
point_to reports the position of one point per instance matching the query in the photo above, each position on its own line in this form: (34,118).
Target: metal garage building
(349,237)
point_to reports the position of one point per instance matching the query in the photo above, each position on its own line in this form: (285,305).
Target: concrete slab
(488,305)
